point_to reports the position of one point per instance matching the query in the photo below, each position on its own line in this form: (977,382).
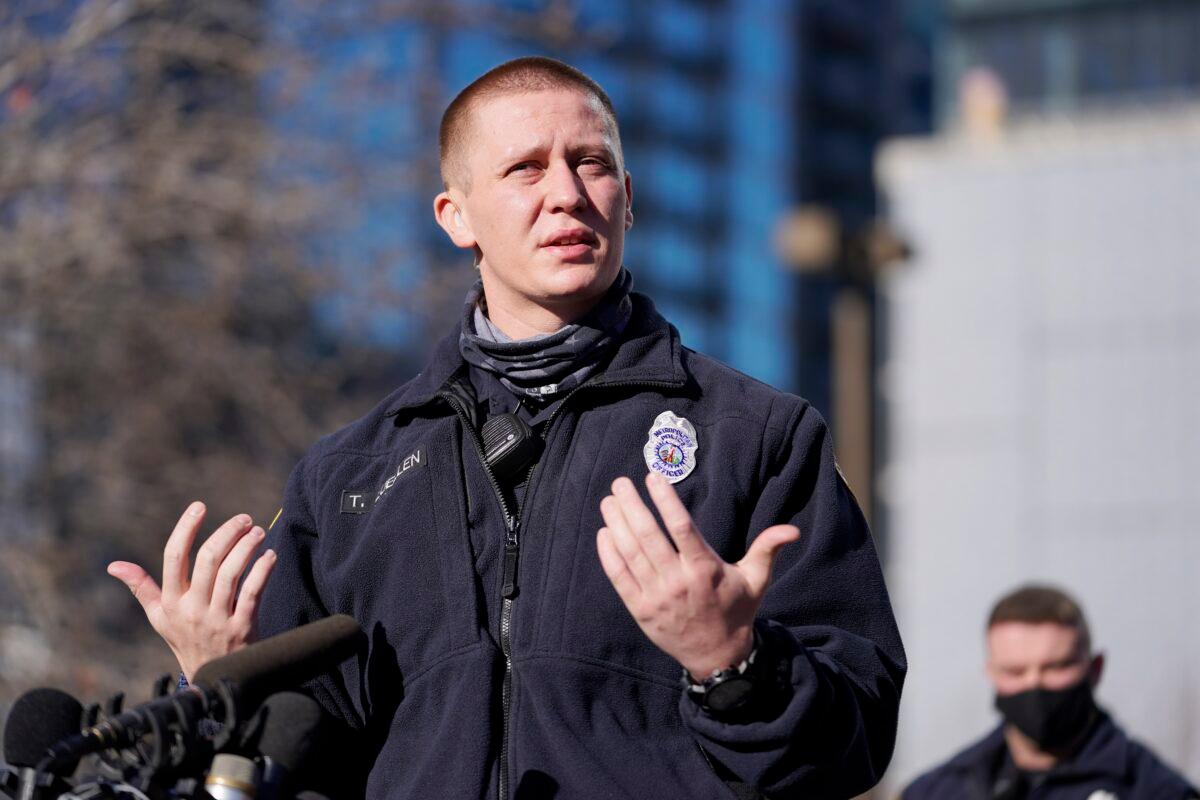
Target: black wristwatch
(732,691)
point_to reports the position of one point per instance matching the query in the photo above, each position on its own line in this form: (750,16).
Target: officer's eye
(594,162)
(524,166)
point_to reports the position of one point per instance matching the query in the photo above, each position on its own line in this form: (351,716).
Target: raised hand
(203,617)
(693,605)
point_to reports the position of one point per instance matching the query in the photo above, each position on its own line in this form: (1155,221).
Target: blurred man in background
(535,631)
(1054,741)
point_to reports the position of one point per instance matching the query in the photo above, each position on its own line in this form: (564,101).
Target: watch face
(729,695)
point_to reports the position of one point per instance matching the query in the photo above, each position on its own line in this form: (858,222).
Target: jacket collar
(1105,752)
(649,352)
(979,764)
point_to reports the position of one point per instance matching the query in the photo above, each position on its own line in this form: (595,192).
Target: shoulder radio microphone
(509,447)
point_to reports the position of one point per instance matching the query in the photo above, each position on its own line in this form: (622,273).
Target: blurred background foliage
(163,303)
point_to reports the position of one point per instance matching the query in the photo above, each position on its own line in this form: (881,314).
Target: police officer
(1054,742)
(540,623)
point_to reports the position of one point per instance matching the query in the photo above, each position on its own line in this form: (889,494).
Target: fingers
(675,516)
(247,602)
(213,552)
(199,618)
(175,554)
(756,564)
(635,549)
(232,567)
(615,568)
(642,523)
(138,581)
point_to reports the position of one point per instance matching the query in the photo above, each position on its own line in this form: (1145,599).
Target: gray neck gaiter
(546,366)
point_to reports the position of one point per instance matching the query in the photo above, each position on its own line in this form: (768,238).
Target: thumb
(138,581)
(756,564)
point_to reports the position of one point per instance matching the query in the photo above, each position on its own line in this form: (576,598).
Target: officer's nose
(1039,679)
(564,189)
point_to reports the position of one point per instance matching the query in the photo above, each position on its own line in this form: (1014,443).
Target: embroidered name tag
(360,501)
(356,502)
(410,464)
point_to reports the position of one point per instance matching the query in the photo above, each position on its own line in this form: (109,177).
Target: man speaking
(590,562)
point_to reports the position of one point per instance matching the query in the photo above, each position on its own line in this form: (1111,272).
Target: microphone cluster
(238,732)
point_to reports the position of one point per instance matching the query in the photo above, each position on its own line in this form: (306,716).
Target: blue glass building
(731,114)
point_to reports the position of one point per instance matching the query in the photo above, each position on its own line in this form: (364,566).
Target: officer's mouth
(571,244)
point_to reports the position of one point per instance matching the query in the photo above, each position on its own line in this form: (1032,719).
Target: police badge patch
(671,448)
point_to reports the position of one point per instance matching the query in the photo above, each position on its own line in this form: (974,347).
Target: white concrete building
(1041,382)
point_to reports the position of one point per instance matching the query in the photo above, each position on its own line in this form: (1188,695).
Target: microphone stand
(156,750)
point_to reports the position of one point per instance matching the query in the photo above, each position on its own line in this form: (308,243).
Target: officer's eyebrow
(1067,661)
(602,147)
(527,152)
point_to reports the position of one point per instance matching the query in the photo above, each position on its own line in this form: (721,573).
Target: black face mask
(1050,717)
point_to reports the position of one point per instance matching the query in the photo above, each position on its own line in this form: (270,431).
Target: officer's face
(1023,656)
(547,202)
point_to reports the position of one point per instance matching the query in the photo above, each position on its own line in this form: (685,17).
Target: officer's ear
(628,201)
(447,210)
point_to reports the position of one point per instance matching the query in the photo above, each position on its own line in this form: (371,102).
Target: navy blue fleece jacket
(590,707)
(1108,766)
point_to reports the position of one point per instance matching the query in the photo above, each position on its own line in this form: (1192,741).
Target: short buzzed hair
(1034,604)
(519,76)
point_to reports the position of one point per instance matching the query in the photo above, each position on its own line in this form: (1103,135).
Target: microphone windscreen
(38,719)
(288,729)
(286,660)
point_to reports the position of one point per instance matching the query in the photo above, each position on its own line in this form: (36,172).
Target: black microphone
(288,731)
(286,660)
(226,689)
(38,719)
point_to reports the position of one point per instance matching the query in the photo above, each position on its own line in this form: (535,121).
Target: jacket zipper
(512,545)
(507,592)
